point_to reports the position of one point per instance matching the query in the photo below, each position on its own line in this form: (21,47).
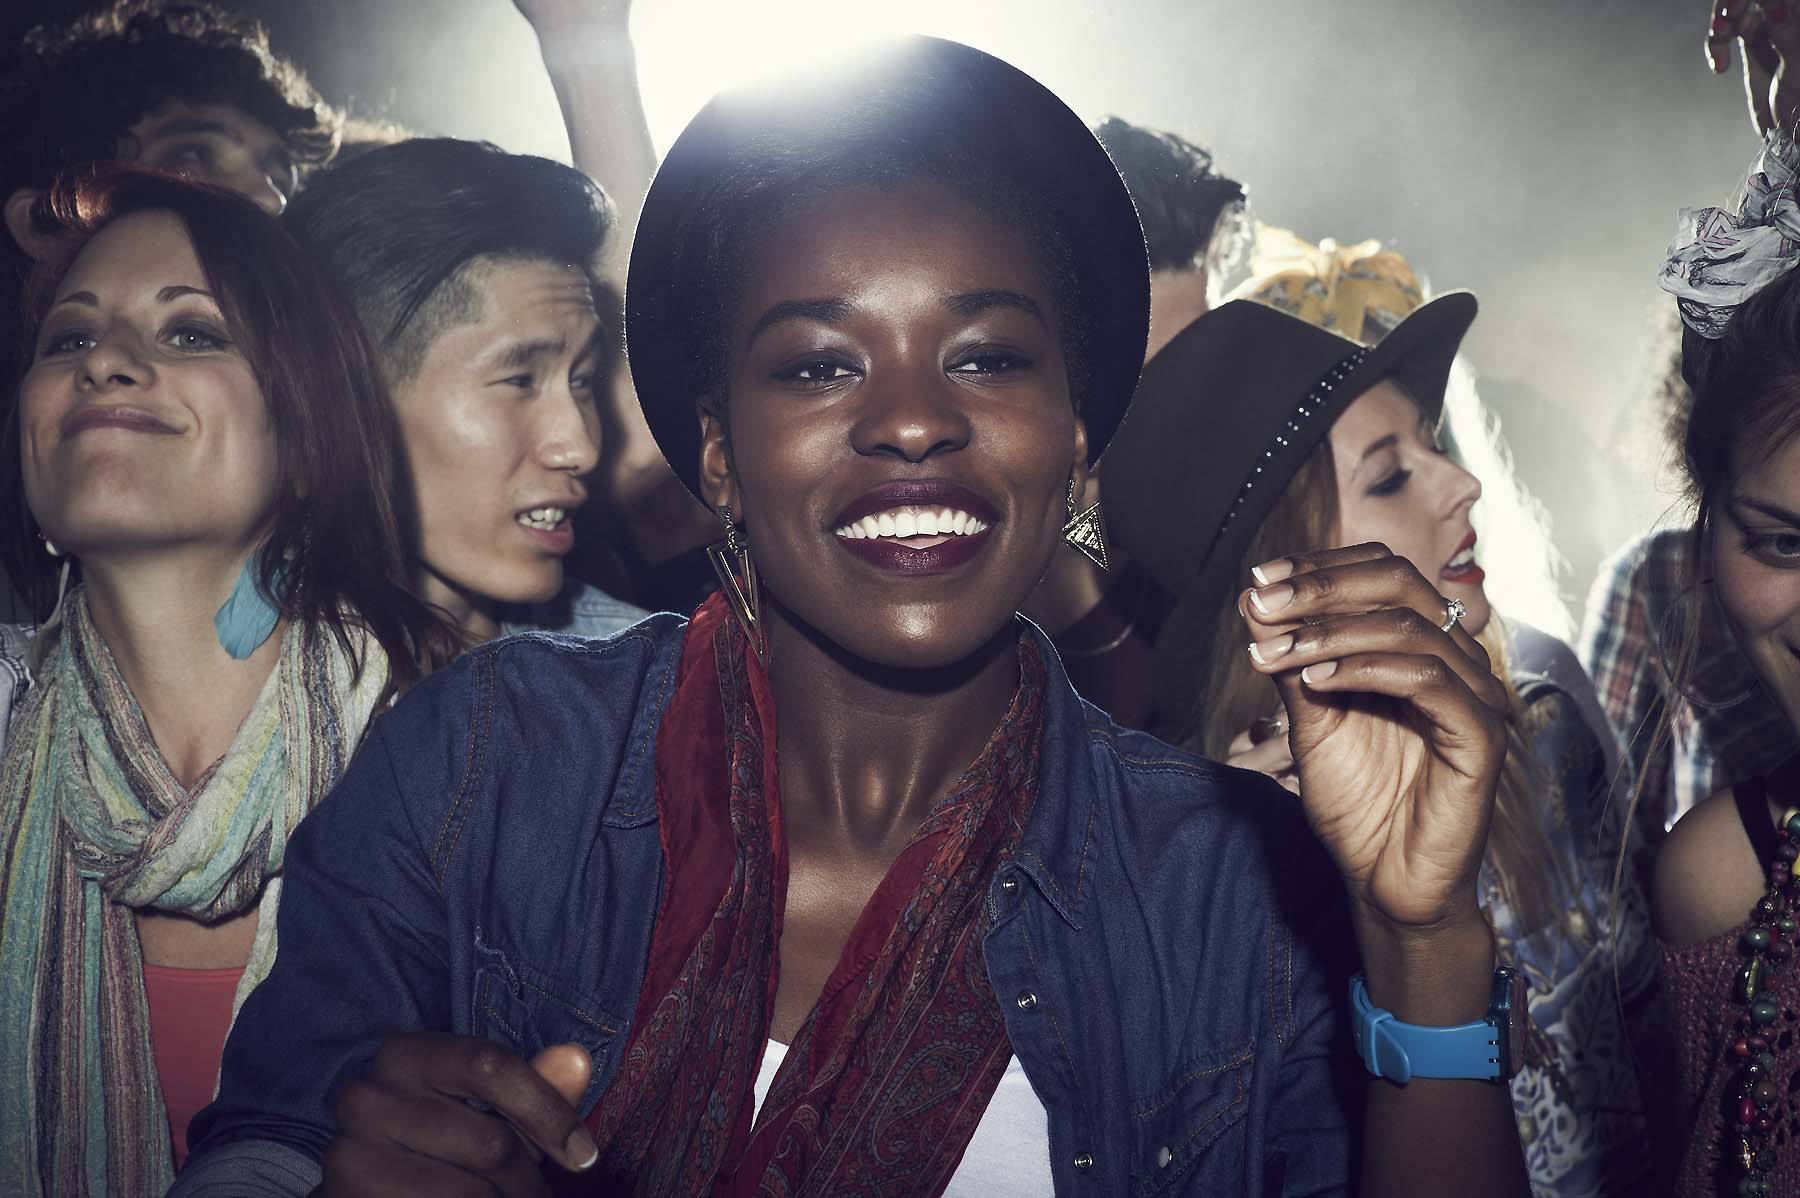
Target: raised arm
(1396,729)
(587,51)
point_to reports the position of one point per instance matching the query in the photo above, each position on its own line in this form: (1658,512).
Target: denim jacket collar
(1059,833)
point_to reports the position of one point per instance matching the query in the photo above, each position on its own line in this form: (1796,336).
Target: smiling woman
(198,505)
(839,888)
(1726,891)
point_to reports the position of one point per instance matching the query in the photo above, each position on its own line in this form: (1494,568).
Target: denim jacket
(1168,944)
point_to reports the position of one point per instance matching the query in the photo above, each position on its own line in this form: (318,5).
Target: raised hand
(408,1128)
(1395,725)
(1767,33)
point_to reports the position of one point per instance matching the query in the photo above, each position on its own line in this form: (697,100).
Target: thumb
(567,1068)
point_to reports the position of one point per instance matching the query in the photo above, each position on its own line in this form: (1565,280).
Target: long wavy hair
(337,546)
(1225,695)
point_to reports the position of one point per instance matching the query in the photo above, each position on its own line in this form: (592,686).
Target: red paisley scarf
(890,1074)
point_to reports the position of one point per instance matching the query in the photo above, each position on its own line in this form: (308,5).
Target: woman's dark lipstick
(950,550)
(122,416)
(934,493)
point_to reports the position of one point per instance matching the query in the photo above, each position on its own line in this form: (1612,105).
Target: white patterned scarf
(93,826)
(1720,257)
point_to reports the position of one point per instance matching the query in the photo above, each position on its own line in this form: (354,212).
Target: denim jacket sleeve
(1314,1131)
(361,940)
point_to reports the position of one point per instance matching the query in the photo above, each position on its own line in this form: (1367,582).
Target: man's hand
(409,1128)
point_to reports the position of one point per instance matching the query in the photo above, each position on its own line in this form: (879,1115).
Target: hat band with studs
(1311,406)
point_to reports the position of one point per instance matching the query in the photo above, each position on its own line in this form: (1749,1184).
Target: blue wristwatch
(1487,1049)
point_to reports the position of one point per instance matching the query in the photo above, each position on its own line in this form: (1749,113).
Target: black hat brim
(1234,401)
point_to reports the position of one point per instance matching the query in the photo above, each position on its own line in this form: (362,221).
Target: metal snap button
(1027,1001)
(1163,1157)
(1009,883)
(1084,1161)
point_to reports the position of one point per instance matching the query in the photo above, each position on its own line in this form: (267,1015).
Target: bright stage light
(690,49)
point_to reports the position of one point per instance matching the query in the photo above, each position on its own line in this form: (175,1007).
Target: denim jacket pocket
(530,1010)
(1193,1118)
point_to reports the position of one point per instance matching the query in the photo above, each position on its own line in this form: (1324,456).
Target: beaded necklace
(1768,943)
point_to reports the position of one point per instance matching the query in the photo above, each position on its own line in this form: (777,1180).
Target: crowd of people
(846,661)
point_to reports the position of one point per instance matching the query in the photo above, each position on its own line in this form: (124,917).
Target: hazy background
(1533,152)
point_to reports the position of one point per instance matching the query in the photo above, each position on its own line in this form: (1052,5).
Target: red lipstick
(1466,575)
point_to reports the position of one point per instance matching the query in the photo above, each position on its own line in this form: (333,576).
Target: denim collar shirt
(578,610)
(1169,946)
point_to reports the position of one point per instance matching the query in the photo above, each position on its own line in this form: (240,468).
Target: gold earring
(1086,531)
(731,561)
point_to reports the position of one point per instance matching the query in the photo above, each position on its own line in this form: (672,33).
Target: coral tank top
(190,1013)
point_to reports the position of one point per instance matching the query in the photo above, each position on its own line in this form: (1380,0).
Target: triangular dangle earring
(1086,531)
(731,561)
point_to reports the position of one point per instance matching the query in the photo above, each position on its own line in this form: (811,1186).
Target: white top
(1009,1154)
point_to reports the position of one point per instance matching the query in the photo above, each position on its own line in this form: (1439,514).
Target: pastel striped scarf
(92,826)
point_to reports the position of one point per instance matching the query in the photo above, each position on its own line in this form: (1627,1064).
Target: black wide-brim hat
(907,93)
(1227,412)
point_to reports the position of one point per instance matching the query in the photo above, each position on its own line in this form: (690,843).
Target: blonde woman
(1255,429)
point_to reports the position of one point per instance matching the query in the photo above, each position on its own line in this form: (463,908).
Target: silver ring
(1454,611)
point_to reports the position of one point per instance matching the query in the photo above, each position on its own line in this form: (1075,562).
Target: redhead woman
(1254,429)
(838,887)
(194,475)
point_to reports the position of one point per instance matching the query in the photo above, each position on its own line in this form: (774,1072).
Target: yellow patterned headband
(1357,291)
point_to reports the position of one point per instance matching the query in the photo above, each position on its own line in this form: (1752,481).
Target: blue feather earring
(246,618)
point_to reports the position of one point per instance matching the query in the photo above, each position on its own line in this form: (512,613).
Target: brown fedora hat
(1227,412)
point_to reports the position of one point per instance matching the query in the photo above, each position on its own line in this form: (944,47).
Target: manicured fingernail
(1270,600)
(1318,671)
(581,1148)
(1267,651)
(1273,571)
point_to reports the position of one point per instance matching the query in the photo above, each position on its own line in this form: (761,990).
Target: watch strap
(1402,1051)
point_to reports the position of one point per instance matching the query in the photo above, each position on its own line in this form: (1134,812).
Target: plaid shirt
(1630,636)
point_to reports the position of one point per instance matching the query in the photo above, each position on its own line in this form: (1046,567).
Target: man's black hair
(399,226)
(1183,202)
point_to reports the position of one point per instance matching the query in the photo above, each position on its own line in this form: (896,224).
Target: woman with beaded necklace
(1726,891)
